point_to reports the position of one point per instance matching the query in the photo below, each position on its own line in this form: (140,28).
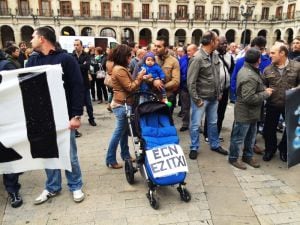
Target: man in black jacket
(43,42)
(83,60)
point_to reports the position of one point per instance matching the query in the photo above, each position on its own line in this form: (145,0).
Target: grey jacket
(250,95)
(203,78)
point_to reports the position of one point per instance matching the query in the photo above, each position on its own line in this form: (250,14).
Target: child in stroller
(153,72)
(160,159)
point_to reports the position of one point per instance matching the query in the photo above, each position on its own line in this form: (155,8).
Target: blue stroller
(152,129)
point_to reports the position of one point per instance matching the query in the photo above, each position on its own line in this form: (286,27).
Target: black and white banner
(166,160)
(34,120)
(292,115)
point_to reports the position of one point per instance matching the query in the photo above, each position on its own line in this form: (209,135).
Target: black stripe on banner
(40,124)
(8,154)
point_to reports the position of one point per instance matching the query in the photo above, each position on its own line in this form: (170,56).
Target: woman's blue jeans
(53,183)
(120,135)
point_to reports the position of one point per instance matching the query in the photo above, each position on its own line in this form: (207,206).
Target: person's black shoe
(283,156)
(193,154)
(200,130)
(183,129)
(92,122)
(220,150)
(268,156)
(15,200)
(77,134)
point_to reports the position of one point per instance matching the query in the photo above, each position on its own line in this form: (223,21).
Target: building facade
(141,21)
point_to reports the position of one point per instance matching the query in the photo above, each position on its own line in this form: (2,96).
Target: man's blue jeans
(242,133)
(210,108)
(53,183)
(120,135)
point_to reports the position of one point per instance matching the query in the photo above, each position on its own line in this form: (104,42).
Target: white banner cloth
(34,120)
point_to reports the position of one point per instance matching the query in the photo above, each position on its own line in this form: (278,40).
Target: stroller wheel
(152,199)
(184,193)
(129,171)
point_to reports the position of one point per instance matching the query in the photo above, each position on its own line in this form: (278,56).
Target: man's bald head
(191,50)
(279,53)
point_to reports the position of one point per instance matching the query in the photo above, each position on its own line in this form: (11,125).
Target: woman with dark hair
(123,85)
(101,88)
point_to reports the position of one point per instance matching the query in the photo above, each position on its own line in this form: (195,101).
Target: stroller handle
(139,93)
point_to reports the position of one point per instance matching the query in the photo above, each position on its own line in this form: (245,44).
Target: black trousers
(11,182)
(271,122)
(221,112)
(100,89)
(185,107)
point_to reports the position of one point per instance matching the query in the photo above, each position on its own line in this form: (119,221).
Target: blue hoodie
(265,61)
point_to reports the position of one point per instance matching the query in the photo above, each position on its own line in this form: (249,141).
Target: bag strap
(100,67)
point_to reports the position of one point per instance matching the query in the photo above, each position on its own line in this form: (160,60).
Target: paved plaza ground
(221,194)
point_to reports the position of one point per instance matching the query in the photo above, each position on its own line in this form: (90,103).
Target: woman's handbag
(108,81)
(100,73)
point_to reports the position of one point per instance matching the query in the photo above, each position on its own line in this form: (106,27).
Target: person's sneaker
(220,150)
(78,196)
(206,140)
(15,200)
(44,197)
(193,154)
(238,165)
(77,134)
(251,162)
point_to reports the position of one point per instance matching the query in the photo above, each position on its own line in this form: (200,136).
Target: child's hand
(142,72)
(146,77)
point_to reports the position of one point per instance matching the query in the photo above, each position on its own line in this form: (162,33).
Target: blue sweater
(155,71)
(265,61)
(72,78)
(184,64)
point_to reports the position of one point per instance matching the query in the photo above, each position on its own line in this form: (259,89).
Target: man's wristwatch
(77,117)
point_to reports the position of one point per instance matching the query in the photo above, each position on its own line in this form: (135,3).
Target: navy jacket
(84,62)
(72,78)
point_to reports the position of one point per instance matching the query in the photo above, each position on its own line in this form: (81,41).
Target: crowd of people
(201,79)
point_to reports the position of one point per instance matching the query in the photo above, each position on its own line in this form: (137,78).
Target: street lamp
(246,13)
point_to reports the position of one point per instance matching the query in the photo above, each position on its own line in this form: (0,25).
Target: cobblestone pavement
(221,194)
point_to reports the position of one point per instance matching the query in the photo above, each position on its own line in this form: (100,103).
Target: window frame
(69,12)
(199,16)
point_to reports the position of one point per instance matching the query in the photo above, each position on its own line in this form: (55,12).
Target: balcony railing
(45,12)
(23,12)
(217,17)
(5,12)
(65,13)
(164,16)
(139,16)
(181,17)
